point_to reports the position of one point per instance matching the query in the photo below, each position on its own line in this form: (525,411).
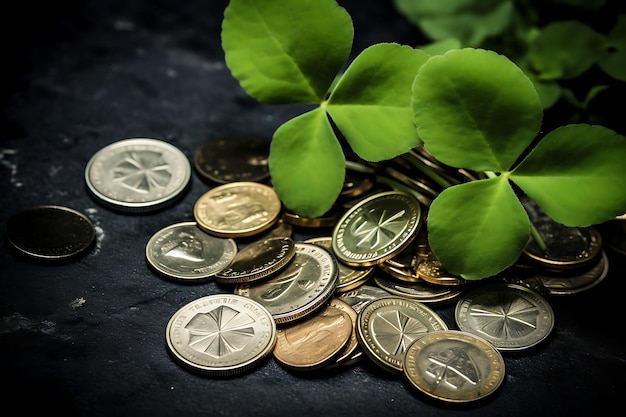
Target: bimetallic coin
(258,261)
(315,341)
(377,228)
(237,209)
(454,367)
(138,175)
(349,276)
(50,233)
(510,316)
(574,282)
(299,289)
(233,159)
(220,335)
(183,252)
(358,297)
(387,326)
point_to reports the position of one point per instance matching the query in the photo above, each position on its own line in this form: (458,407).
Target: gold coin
(377,228)
(237,209)
(387,326)
(220,335)
(315,341)
(453,366)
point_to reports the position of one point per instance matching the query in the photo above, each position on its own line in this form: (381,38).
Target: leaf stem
(428,171)
(537,238)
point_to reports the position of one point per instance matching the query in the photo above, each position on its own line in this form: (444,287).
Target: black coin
(51,233)
(231,159)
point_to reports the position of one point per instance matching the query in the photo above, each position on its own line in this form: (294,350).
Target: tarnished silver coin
(424,292)
(387,326)
(184,252)
(232,159)
(377,228)
(258,261)
(349,276)
(454,367)
(303,286)
(138,175)
(573,282)
(510,316)
(220,335)
(361,295)
(50,233)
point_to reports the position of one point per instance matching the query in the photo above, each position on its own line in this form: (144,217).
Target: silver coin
(358,297)
(138,175)
(220,335)
(510,316)
(299,289)
(575,281)
(184,252)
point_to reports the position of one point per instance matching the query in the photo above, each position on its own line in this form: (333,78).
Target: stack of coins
(364,286)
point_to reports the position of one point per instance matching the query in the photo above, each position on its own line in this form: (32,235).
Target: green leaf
(371,104)
(576,174)
(286,51)
(613,59)
(306,163)
(475,109)
(440,47)
(564,50)
(479,228)
(470,21)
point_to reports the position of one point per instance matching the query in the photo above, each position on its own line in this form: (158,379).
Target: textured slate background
(80,74)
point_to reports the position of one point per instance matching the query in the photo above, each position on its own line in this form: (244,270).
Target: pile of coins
(364,287)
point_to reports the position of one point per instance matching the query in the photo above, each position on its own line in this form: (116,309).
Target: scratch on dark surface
(16,321)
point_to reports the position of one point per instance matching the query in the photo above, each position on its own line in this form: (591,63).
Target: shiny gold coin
(220,335)
(407,274)
(387,326)
(431,270)
(453,366)
(377,228)
(315,341)
(237,209)
(328,219)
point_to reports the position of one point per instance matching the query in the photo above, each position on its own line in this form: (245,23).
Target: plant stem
(537,238)
(428,171)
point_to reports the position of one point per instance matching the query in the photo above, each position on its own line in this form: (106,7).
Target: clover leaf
(291,52)
(475,109)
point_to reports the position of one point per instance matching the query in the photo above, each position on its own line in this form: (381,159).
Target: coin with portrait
(184,252)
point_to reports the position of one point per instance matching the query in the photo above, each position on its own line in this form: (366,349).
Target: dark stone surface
(81,74)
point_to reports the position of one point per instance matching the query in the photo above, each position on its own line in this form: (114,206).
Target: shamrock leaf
(286,52)
(475,109)
(478,228)
(371,103)
(307,164)
(576,174)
